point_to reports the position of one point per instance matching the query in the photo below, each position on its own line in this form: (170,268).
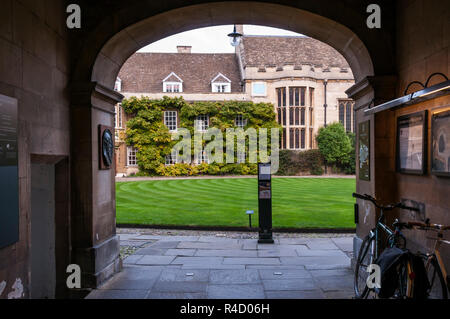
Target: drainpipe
(325,102)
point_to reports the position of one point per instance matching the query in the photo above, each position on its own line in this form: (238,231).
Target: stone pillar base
(98,263)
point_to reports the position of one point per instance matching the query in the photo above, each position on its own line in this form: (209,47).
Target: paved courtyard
(215,267)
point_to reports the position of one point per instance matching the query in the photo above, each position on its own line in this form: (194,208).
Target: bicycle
(370,250)
(434,265)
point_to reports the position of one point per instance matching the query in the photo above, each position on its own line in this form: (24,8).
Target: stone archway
(95,245)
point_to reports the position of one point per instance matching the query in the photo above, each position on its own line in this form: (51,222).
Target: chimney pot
(184,48)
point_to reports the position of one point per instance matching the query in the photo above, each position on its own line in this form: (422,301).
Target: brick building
(303,78)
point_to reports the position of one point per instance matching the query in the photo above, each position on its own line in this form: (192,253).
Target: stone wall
(34,67)
(422,49)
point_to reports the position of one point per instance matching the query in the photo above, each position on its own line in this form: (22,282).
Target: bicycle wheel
(365,258)
(405,281)
(438,286)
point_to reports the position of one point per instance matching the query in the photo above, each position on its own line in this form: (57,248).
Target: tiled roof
(276,51)
(145,72)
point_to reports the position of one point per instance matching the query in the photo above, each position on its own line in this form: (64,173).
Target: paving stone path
(212,267)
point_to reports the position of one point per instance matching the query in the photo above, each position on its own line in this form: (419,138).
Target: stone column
(95,246)
(370,91)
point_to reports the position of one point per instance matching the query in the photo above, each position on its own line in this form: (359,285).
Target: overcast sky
(210,39)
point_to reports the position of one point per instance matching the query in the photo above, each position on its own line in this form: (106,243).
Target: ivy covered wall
(146,132)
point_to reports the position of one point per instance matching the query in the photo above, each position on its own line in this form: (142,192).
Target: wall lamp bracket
(426,93)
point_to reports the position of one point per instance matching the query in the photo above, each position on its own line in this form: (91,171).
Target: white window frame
(118,85)
(259,94)
(167,84)
(202,122)
(222,86)
(168,116)
(202,157)
(240,121)
(171,159)
(118,118)
(131,156)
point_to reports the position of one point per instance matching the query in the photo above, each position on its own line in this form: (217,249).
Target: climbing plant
(147,132)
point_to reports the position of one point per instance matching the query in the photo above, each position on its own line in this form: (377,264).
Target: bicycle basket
(388,261)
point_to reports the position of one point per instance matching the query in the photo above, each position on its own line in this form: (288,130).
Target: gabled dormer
(172,84)
(221,84)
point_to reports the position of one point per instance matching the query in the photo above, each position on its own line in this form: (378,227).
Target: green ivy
(147,132)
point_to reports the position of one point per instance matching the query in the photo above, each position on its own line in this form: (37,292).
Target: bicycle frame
(381,226)
(436,254)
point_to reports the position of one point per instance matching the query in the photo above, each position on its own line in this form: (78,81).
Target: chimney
(184,49)
(240,28)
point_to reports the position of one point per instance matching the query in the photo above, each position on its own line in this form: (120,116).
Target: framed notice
(440,141)
(364,150)
(9,174)
(411,143)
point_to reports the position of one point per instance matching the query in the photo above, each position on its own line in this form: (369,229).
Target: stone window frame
(259,94)
(343,116)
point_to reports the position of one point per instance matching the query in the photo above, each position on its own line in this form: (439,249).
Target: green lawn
(297,202)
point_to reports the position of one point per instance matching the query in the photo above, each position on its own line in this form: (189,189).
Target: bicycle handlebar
(428,225)
(386,207)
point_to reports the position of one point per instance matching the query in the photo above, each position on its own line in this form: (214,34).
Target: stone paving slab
(184,275)
(226,253)
(320,253)
(295,294)
(165,244)
(278,274)
(290,284)
(180,252)
(132,259)
(251,291)
(151,251)
(180,286)
(317,261)
(155,260)
(226,277)
(213,266)
(118,294)
(278,252)
(198,267)
(176,295)
(250,261)
(197,261)
(203,245)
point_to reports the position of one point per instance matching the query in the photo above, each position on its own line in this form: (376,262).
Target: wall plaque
(440,139)
(411,143)
(9,174)
(364,150)
(106,146)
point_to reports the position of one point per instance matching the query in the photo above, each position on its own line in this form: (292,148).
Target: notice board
(9,174)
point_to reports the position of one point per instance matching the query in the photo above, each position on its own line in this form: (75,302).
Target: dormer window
(221,84)
(118,85)
(172,84)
